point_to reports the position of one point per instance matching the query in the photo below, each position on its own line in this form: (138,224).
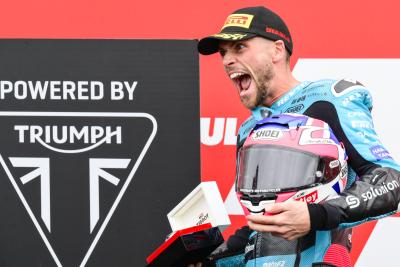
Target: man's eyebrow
(220,49)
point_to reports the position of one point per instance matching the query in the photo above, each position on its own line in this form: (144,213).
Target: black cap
(246,23)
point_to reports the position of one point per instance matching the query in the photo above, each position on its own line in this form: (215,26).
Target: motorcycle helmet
(289,157)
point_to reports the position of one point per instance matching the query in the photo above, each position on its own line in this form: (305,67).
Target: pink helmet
(290,157)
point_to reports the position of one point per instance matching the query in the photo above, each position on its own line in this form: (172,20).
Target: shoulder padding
(344,86)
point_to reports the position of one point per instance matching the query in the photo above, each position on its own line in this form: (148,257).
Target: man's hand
(289,220)
(195,265)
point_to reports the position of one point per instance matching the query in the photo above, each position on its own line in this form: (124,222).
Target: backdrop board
(99,140)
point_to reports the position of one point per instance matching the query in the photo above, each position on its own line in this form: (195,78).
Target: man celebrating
(255,46)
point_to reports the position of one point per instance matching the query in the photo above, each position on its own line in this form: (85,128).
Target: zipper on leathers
(255,250)
(298,253)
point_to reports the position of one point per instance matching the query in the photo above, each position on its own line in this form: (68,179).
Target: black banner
(99,140)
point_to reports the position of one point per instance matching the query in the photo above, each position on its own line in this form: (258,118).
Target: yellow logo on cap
(238,20)
(229,36)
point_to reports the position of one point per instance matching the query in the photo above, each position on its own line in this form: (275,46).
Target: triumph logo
(89,158)
(94,135)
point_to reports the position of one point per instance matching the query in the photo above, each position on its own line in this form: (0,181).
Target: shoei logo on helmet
(309,198)
(238,20)
(267,134)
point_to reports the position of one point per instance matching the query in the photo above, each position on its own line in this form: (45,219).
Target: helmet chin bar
(258,207)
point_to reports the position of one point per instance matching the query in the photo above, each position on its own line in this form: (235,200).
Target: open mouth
(241,80)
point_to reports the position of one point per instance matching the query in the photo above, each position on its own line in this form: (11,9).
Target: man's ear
(279,51)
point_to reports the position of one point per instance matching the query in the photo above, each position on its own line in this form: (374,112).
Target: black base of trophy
(186,246)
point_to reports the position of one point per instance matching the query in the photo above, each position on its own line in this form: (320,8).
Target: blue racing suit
(373,187)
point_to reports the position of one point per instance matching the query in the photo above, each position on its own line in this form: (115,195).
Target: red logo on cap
(281,34)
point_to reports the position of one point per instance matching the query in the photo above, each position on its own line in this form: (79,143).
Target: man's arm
(373,195)
(376,191)
(380,196)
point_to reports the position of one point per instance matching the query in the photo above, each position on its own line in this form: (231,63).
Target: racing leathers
(373,188)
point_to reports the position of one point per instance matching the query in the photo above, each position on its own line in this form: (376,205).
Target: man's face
(249,65)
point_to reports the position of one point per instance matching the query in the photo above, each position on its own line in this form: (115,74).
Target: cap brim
(209,45)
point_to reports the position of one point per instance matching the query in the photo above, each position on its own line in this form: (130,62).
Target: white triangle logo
(97,171)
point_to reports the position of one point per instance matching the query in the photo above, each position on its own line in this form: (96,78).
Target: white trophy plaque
(203,205)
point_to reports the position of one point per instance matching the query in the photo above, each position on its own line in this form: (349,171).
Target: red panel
(338,256)
(235,220)
(171,240)
(360,237)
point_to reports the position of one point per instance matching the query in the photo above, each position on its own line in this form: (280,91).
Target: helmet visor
(267,168)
